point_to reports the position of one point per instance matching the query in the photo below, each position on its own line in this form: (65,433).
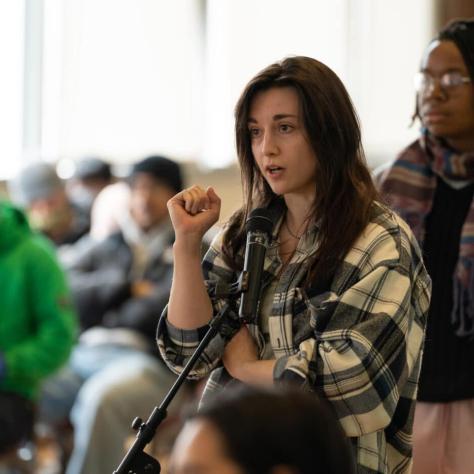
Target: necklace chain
(295,236)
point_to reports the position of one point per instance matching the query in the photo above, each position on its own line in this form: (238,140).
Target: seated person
(91,175)
(37,324)
(120,286)
(40,191)
(107,210)
(266,431)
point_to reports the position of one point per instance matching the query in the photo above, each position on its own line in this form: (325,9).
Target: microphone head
(260,220)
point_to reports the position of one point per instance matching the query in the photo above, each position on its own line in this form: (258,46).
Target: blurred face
(84,191)
(199,450)
(447,112)
(279,142)
(51,214)
(148,201)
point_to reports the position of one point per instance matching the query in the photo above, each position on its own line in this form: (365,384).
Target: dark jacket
(101,284)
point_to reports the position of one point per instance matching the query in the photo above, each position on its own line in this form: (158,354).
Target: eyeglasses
(449,80)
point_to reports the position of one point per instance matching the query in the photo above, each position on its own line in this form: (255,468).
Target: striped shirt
(358,343)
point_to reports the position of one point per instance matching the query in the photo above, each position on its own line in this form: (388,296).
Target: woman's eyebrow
(282,116)
(275,117)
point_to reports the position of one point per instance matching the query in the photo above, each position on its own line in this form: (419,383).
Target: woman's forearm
(259,372)
(189,305)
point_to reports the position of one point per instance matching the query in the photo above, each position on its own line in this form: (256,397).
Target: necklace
(286,258)
(296,236)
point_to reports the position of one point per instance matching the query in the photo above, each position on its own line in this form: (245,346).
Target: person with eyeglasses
(431,185)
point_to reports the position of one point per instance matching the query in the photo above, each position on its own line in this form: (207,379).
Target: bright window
(11,86)
(125,78)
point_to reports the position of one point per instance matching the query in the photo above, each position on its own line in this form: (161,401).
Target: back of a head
(264,428)
(461,33)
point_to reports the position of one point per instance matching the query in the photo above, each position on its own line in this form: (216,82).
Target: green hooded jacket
(37,320)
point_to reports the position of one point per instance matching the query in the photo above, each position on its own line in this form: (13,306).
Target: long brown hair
(344,188)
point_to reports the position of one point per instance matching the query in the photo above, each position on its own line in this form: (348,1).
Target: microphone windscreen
(260,220)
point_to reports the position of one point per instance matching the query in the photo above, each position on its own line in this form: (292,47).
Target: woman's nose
(269,144)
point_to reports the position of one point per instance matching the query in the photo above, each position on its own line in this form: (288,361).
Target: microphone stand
(136,461)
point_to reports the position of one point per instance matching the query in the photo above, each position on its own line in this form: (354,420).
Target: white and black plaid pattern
(358,343)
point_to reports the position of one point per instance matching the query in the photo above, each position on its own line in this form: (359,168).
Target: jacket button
(326,347)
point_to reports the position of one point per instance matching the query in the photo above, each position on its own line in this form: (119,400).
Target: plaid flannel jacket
(358,344)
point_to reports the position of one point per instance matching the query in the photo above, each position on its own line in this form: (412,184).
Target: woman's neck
(298,212)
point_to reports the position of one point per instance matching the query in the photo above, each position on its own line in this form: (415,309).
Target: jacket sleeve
(142,313)
(177,345)
(366,343)
(53,319)
(98,283)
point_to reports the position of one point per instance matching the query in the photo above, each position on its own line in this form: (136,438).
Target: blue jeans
(103,389)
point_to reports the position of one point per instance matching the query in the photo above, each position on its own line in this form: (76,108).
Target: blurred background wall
(122,79)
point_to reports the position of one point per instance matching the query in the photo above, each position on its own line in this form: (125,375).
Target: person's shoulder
(408,154)
(31,251)
(114,246)
(387,238)
(414,147)
(111,243)
(40,255)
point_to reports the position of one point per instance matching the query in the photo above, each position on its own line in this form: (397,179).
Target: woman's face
(199,449)
(279,143)
(447,112)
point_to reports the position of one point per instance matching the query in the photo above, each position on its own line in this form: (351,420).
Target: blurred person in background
(431,185)
(251,430)
(37,323)
(42,194)
(91,175)
(120,285)
(107,216)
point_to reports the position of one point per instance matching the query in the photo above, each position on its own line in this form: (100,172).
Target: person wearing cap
(431,185)
(91,176)
(120,286)
(40,191)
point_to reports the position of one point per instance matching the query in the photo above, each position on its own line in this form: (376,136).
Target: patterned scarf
(409,186)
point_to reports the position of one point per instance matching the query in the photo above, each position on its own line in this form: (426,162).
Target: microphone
(259,229)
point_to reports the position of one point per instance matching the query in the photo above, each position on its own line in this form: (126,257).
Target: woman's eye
(254,132)
(285,128)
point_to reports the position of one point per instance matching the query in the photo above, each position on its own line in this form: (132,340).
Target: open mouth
(274,169)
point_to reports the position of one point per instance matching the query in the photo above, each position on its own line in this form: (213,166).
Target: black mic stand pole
(136,461)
